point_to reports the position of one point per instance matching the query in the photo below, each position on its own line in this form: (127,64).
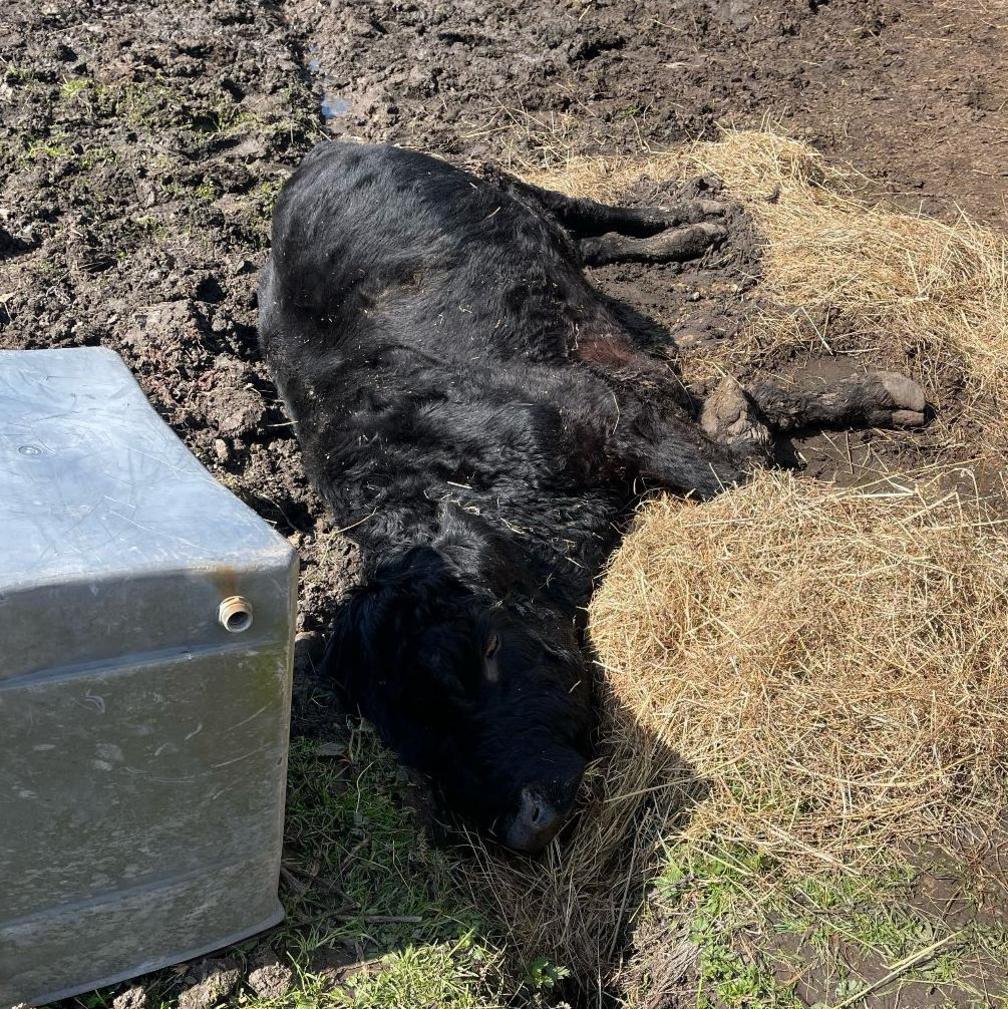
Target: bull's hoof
(695,211)
(897,401)
(688,242)
(731,418)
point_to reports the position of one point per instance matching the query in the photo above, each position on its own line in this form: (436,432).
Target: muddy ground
(912,93)
(143,142)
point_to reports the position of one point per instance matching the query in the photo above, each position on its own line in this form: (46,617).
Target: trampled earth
(141,147)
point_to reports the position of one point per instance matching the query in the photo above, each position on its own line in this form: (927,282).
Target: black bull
(480,417)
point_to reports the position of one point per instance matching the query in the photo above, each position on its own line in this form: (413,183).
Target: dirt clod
(271,979)
(208,984)
(133,998)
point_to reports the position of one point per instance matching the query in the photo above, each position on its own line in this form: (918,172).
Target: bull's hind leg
(675,245)
(610,234)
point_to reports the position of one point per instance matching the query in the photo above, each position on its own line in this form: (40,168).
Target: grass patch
(74,87)
(362,876)
(717,885)
(765,938)
(16,74)
(450,975)
(39,150)
(207,191)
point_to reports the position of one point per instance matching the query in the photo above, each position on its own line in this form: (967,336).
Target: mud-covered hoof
(696,211)
(689,242)
(731,418)
(900,400)
(692,211)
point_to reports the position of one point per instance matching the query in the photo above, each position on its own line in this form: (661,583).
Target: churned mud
(913,93)
(142,144)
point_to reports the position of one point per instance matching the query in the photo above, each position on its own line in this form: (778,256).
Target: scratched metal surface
(142,746)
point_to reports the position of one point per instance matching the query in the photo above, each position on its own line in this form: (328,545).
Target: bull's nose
(535,823)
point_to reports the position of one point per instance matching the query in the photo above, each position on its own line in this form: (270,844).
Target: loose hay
(814,672)
(832,663)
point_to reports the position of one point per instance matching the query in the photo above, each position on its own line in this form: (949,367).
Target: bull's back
(414,317)
(355,218)
(389,246)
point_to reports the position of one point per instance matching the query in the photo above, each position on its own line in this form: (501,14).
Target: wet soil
(914,93)
(142,143)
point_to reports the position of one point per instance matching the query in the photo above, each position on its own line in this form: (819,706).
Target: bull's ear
(350,654)
(479,551)
(376,630)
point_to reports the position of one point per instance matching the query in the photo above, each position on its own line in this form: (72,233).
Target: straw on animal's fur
(811,671)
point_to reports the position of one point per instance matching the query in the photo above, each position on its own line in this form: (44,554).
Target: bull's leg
(742,420)
(607,234)
(679,456)
(875,399)
(734,436)
(673,245)
(585,218)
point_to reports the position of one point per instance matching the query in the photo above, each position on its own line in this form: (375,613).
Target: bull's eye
(490,650)
(492,646)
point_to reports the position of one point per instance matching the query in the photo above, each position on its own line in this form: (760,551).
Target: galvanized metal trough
(146,625)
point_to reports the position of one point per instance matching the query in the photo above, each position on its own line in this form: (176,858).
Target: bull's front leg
(678,455)
(735,433)
(874,399)
(650,429)
(744,420)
